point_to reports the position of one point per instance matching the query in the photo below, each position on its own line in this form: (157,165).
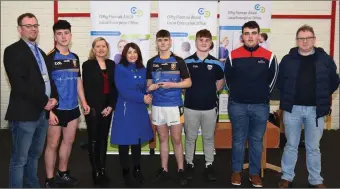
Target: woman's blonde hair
(92,56)
(121,40)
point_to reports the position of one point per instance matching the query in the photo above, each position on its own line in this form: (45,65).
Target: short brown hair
(305,28)
(61,25)
(204,33)
(265,36)
(21,17)
(162,33)
(212,45)
(251,25)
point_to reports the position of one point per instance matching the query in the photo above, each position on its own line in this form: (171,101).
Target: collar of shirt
(194,56)
(31,44)
(57,50)
(251,49)
(171,54)
(312,52)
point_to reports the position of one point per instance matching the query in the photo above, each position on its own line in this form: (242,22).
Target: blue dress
(131,121)
(117,58)
(223,53)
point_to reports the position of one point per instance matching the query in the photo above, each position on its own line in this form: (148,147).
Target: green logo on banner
(136,11)
(135,36)
(205,13)
(259,8)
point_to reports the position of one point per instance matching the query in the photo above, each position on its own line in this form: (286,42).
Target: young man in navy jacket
(250,73)
(306,81)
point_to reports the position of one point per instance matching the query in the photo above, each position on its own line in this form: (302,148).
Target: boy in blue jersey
(167,75)
(201,102)
(63,118)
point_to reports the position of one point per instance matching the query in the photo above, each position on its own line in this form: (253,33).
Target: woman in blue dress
(131,125)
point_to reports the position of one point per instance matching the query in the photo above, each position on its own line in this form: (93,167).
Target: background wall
(281,38)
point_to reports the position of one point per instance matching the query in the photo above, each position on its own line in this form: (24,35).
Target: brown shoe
(318,186)
(285,184)
(236,179)
(256,181)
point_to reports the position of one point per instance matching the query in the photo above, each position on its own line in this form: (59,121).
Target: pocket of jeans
(286,117)
(13,129)
(11,125)
(265,105)
(231,102)
(231,105)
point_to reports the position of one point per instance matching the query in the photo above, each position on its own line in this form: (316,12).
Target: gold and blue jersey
(65,74)
(172,69)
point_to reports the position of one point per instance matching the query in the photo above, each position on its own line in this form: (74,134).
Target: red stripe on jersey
(241,52)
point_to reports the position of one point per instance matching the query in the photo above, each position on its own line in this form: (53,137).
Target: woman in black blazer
(101,96)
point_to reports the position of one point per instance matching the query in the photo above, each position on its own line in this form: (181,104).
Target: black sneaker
(190,171)
(65,179)
(138,176)
(209,173)
(126,177)
(161,175)
(103,175)
(182,177)
(50,183)
(317,186)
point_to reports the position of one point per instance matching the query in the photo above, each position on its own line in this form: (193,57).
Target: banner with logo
(183,19)
(233,14)
(121,22)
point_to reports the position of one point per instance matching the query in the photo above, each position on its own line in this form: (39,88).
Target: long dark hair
(139,61)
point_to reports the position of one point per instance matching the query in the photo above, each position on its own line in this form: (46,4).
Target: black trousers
(124,155)
(97,129)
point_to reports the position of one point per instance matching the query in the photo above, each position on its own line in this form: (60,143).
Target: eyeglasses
(302,39)
(30,26)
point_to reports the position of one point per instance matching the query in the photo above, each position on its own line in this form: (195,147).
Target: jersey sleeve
(78,64)
(149,69)
(184,71)
(220,71)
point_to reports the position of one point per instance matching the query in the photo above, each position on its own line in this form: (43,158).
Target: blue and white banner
(233,14)
(121,22)
(183,19)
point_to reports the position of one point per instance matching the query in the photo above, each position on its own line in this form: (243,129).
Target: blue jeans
(28,140)
(249,121)
(302,115)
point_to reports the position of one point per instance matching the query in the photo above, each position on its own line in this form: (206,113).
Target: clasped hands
(164,85)
(106,111)
(147,99)
(51,103)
